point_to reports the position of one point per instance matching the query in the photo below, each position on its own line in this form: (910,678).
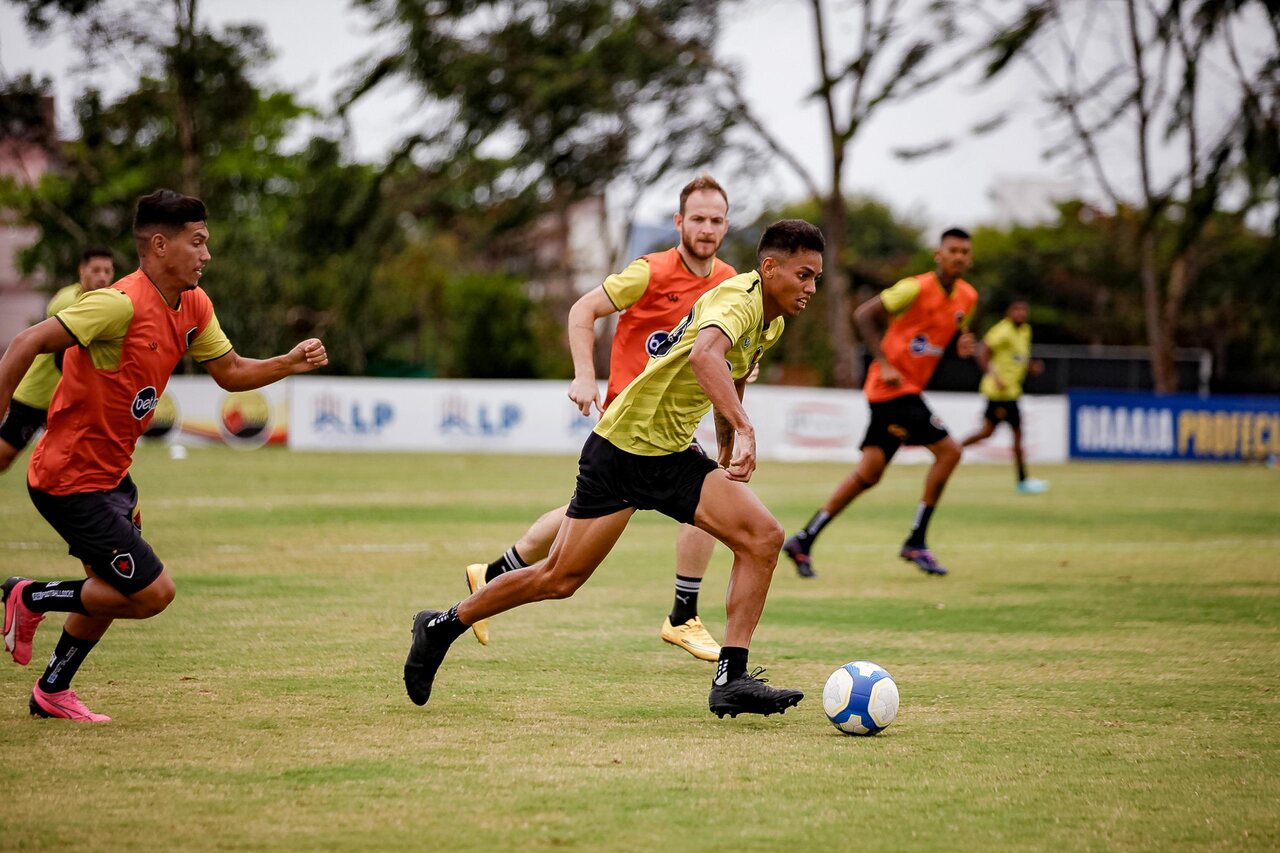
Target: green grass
(1098,672)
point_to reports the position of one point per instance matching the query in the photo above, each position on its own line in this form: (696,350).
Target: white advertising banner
(792,424)
(194,410)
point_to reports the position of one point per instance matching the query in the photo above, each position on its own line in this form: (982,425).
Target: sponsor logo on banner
(333,414)
(812,424)
(1178,426)
(487,419)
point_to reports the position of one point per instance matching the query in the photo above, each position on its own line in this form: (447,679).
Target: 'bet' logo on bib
(144,402)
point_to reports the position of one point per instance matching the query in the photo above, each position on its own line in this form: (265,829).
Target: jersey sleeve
(996,336)
(733,309)
(64,298)
(899,297)
(211,343)
(101,315)
(625,288)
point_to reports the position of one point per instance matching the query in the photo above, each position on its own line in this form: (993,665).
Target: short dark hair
(958,233)
(166,210)
(1014,300)
(789,236)
(702,182)
(91,252)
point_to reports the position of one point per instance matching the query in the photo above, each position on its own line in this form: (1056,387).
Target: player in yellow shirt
(1005,358)
(639,457)
(27,410)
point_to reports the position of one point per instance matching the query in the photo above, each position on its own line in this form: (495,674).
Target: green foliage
(557,96)
(492,328)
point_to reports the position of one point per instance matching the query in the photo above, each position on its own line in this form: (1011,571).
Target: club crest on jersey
(123,565)
(191,335)
(920,346)
(144,402)
(653,344)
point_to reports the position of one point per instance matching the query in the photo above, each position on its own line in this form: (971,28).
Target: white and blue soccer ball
(860,698)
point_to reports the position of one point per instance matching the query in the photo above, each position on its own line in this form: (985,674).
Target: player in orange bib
(654,293)
(121,344)
(922,314)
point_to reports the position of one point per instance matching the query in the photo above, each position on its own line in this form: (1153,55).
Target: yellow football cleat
(476,582)
(693,637)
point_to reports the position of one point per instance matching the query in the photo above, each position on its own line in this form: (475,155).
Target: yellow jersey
(1010,350)
(659,411)
(36,387)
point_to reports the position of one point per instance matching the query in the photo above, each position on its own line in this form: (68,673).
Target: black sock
(1022,471)
(67,657)
(686,606)
(920,526)
(447,627)
(820,519)
(54,597)
(733,664)
(508,562)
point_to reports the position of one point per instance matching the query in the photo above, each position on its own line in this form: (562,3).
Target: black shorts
(1005,411)
(611,480)
(902,420)
(21,424)
(104,530)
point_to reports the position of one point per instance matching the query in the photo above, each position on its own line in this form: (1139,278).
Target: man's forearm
(249,374)
(582,345)
(14,365)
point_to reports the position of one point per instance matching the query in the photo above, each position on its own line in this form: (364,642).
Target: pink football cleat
(19,624)
(65,705)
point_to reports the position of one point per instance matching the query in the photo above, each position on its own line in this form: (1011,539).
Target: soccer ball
(860,698)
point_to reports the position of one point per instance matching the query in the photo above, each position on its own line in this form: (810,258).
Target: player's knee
(156,598)
(947,451)
(868,479)
(765,541)
(555,584)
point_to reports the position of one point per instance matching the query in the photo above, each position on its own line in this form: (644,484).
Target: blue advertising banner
(1109,425)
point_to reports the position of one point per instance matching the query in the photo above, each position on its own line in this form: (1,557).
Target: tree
(1190,91)
(900,50)
(530,105)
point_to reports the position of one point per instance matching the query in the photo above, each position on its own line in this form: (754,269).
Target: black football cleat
(424,659)
(750,694)
(799,555)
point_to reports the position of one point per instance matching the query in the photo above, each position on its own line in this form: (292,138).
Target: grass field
(1100,671)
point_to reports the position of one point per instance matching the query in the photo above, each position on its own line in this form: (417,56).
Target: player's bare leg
(683,628)
(946,455)
(530,548)
(8,453)
(865,476)
(578,550)
(982,434)
(1026,485)
(91,606)
(733,514)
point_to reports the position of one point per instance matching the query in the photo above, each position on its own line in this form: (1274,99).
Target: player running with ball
(639,457)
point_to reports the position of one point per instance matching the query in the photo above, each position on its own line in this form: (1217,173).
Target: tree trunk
(188,95)
(1158,340)
(1181,277)
(836,283)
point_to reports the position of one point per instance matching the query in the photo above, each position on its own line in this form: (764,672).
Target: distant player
(919,315)
(121,344)
(1005,358)
(654,294)
(640,456)
(30,401)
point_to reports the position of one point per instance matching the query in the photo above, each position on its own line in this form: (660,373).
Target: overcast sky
(316,42)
